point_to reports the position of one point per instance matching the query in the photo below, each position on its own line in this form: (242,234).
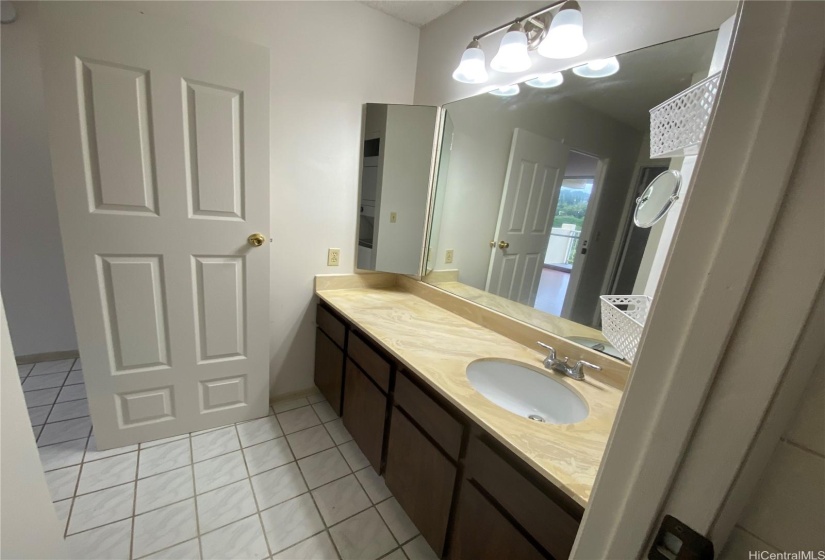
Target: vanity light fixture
(506,91)
(512,54)
(565,38)
(471,69)
(554,37)
(599,68)
(546,81)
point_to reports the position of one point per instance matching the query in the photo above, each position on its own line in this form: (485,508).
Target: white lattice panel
(678,125)
(623,318)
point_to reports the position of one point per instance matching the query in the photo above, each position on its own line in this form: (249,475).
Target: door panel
(220,307)
(160,152)
(531,188)
(115,132)
(135,312)
(212,117)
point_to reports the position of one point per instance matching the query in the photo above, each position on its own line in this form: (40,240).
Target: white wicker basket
(677,126)
(623,318)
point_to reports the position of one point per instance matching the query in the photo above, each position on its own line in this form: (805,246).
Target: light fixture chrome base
(536,29)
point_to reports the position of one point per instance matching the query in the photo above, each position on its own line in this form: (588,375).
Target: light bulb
(506,91)
(512,54)
(600,68)
(546,81)
(471,69)
(565,38)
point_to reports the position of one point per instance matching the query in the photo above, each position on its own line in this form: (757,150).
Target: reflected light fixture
(546,81)
(471,69)
(565,38)
(599,68)
(512,54)
(506,91)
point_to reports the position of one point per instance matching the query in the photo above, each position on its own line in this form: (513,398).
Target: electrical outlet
(393,217)
(333,257)
(448,258)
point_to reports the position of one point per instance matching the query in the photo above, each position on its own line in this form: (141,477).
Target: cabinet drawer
(542,517)
(370,361)
(421,478)
(331,325)
(433,419)
(481,532)
(329,369)
(365,414)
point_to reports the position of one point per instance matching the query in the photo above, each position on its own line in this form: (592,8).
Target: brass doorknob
(503,244)
(256,239)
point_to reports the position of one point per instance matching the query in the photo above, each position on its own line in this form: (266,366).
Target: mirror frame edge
(435,160)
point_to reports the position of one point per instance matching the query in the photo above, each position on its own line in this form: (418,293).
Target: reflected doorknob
(256,239)
(503,244)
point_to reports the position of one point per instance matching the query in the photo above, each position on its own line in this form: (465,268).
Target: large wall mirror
(536,184)
(396,163)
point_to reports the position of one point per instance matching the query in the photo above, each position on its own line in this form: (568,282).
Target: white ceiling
(415,12)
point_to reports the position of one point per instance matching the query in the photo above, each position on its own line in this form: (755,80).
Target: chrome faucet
(574,371)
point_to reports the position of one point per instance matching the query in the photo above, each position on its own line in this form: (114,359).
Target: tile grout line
(134,504)
(194,496)
(57,396)
(249,476)
(252,488)
(328,527)
(801,447)
(76,487)
(80,467)
(315,503)
(79,473)
(375,505)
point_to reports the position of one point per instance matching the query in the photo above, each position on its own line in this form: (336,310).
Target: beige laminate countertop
(438,345)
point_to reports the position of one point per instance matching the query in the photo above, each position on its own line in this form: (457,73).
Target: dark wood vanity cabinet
(365,412)
(468,495)
(539,515)
(482,532)
(330,341)
(423,453)
(368,377)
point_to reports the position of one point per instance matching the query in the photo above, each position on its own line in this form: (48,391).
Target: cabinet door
(329,369)
(365,412)
(481,532)
(421,478)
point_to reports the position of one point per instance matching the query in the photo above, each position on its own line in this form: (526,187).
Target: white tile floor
(291,486)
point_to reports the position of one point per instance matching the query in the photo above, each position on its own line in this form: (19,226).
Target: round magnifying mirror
(657,199)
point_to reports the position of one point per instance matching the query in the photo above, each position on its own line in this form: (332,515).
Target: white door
(531,189)
(159,141)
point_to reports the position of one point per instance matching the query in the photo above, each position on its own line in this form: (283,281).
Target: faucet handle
(550,349)
(577,368)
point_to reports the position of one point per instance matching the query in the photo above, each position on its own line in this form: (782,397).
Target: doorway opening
(576,196)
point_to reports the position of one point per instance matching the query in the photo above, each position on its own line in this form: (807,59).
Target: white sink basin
(526,392)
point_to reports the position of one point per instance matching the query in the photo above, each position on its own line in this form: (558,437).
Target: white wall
(610,28)
(786,512)
(32,271)
(30,528)
(408,149)
(327,59)
(481,149)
